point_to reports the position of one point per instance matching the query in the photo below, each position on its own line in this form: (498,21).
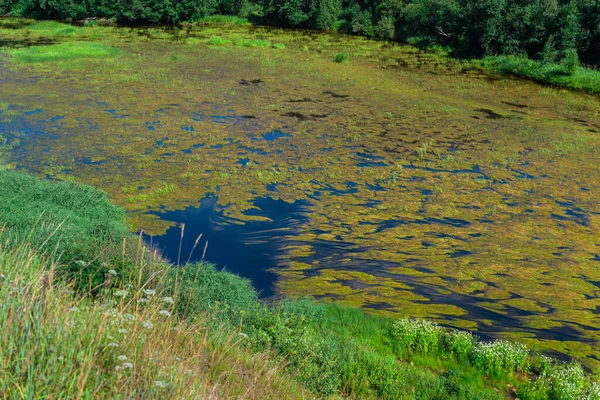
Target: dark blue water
(250,249)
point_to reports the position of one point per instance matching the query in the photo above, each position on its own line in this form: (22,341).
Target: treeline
(547,30)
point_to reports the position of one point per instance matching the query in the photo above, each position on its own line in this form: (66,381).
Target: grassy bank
(99,315)
(572,77)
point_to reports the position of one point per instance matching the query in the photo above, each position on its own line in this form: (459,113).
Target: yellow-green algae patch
(447,192)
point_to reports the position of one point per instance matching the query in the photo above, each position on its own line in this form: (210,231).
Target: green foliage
(252,43)
(51,28)
(74,223)
(415,335)
(218,41)
(341,57)
(500,357)
(537,29)
(459,343)
(63,51)
(202,289)
(223,20)
(566,74)
(278,46)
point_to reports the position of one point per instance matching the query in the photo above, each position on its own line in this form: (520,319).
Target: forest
(551,31)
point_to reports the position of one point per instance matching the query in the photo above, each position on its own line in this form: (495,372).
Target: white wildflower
(112,272)
(148,325)
(128,365)
(73,309)
(123,331)
(122,358)
(188,372)
(168,300)
(128,286)
(113,344)
(104,265)
(117,368)
(149,292)
(81,263)
(121,293)
(143,300)
(165,313)
(161,384)
(242,334)
(129,317)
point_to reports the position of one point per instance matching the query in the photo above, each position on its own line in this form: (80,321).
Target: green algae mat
(401,182)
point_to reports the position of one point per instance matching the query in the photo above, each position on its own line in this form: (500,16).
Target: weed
(342,57)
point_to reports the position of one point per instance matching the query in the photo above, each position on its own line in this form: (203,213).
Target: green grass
(52,28)
(63,52)
(74,222)
(581,79)
(252,42)
(342,57)
(127,343)
(278,46)
(224,19)
(219,41)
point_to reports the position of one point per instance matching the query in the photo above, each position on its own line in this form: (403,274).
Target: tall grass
(573,77)
(127,344)
(63,51)
(52,28)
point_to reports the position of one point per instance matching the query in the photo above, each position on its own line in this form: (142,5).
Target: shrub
(500,357)
(460,343)
(571,61)
(414,335)
(278,46)
(566,381)
(592,392)
(341,57)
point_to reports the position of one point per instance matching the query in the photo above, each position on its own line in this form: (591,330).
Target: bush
(74,223)
(460,343)
(414,335)
(341,57)
(566,381)
(500,357)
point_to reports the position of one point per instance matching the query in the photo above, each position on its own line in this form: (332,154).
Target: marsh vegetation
(404,182)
